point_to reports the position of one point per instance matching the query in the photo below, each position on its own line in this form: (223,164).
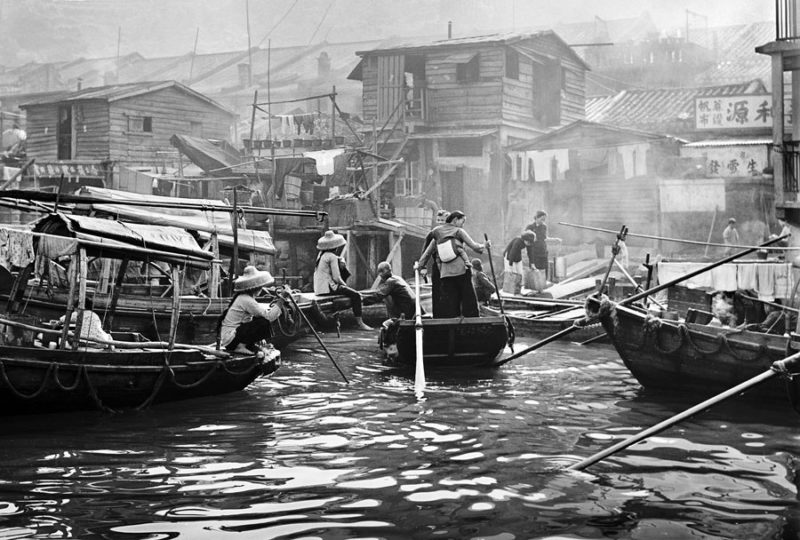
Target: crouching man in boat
(396,293)
(247,321)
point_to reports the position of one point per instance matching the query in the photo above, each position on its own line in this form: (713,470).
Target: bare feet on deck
(241,349)
(362,325)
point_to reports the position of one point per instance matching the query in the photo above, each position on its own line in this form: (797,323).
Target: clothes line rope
(677,240)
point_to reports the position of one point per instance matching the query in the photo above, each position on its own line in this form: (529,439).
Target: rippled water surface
(304,455)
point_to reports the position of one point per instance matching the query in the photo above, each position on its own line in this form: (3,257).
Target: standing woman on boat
(328,273)
(456,295)
(537,251)
(247,321)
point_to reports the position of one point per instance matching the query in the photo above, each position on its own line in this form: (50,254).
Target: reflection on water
(304,455)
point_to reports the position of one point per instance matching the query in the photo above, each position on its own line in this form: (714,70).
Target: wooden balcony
(791,166)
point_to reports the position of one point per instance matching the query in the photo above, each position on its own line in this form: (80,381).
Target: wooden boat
(542,317)
(143,309)
(48,369)
(144,306)
(34,378)
(448,343)
(703,360)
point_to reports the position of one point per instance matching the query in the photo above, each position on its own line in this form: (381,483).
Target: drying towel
(667,271)
(783,280)
(325,159)
(765,277)
(16,248)
(723,278)
(746,277)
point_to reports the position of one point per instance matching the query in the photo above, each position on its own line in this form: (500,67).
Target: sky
(58,30)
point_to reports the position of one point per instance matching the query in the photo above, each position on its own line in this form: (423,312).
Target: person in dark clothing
(512,261)
(537,251)
(483,287)
(399,298)
(775,321)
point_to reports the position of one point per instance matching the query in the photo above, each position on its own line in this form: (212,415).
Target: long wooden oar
(291,298)
(419,370)
(494,280)
(643,294)
(789,364)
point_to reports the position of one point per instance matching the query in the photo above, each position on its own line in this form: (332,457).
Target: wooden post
(234,266)
(105,277)
(333,116)
(373,257)
(176,305)
(213,282)
(72,275)
(82,275)
(112,308)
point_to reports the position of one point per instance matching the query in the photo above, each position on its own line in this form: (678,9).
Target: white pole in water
(419,374)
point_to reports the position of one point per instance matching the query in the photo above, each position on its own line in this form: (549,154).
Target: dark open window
(548,85)
(64,132)
(469,71)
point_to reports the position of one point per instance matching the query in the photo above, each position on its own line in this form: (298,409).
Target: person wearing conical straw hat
(328,270)
(247,321)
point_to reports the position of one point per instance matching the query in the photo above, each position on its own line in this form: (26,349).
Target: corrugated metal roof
(662,110)
(729,142)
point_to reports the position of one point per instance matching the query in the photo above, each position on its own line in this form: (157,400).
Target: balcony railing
(786,20)
(791,166)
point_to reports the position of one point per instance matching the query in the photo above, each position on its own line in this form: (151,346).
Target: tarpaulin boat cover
(64,230)
(204,222)
(213,159)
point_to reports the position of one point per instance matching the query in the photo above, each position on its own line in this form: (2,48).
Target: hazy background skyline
(63,30)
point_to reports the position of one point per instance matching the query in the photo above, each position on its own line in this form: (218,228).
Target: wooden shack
(450,107)
(125,123)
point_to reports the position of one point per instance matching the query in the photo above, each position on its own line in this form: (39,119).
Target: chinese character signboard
(733,112)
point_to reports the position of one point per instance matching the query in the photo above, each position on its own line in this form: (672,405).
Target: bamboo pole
(677,240)
(780,366)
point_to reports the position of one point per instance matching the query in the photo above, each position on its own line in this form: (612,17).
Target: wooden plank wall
(390,85)
(612,202)
(369,89)
(172,112)
(42,124)
(91,130)
(465,102)
(518,95)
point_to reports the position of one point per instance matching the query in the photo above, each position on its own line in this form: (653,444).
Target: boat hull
(698,359)
(447,343)
(541,321)
(150,315)
(36,380)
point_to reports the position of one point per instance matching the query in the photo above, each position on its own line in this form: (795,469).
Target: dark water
(303,455)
